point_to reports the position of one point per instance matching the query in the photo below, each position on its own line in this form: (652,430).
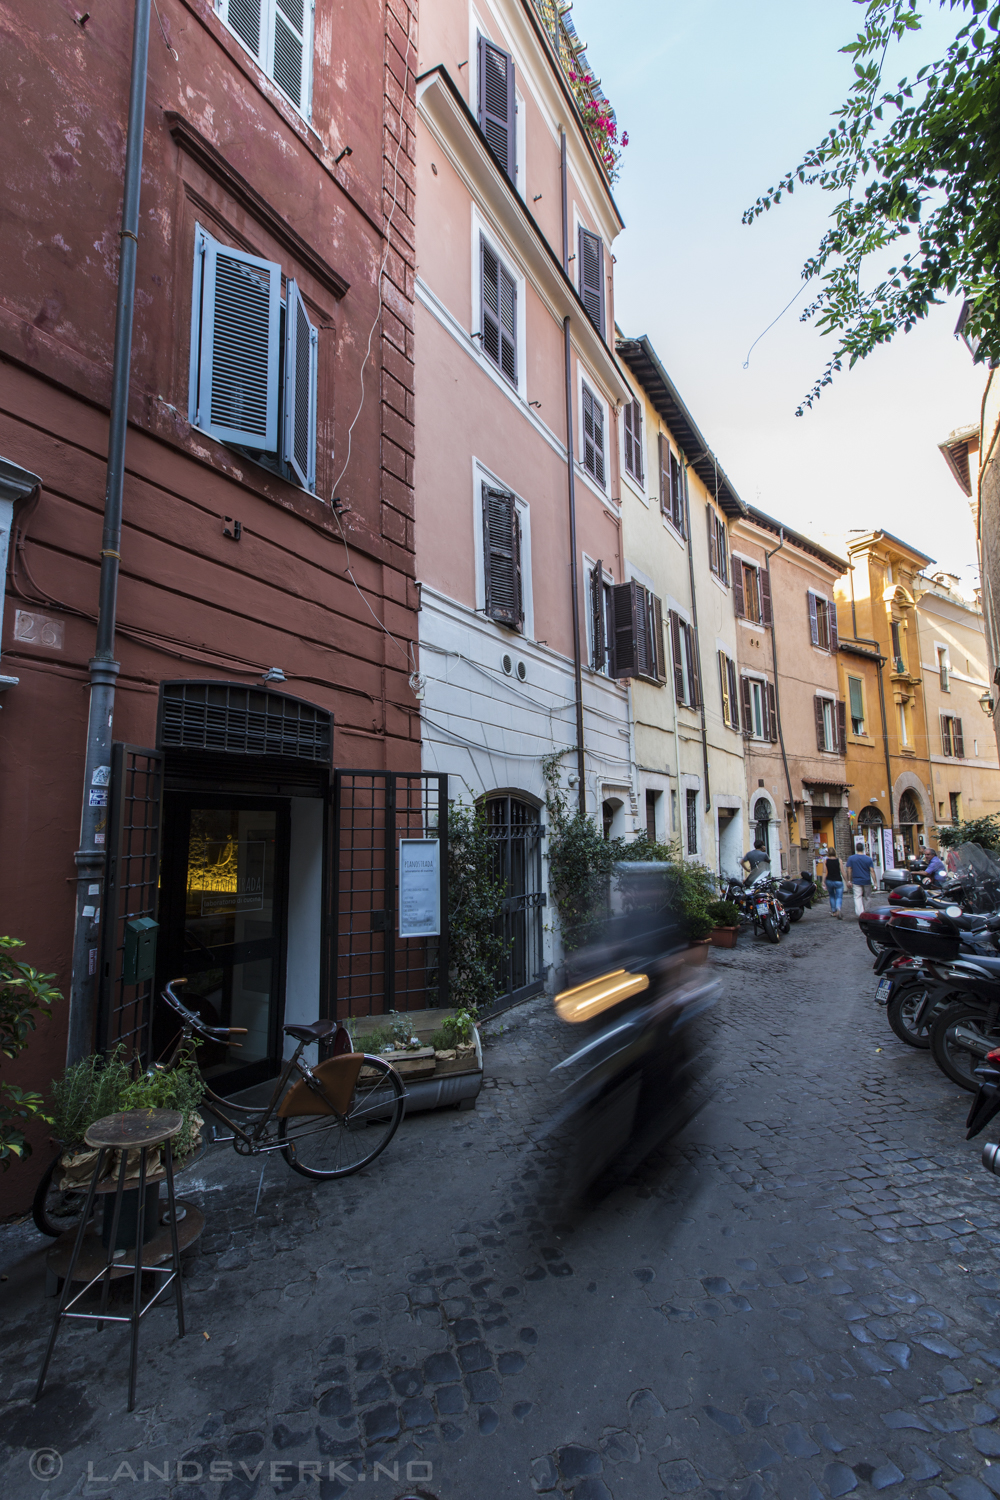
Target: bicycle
(322,1125)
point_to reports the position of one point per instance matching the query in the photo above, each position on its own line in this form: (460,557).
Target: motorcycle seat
(983,961)
(798,887)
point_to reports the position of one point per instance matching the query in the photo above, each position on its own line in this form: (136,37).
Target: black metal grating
(131,890)
(232,719)
(376,970)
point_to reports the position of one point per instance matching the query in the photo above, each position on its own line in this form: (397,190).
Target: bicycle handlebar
(210,1033)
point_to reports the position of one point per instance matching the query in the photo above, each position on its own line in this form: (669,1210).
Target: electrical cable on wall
(417,683)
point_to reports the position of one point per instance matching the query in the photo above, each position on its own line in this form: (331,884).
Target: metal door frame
(528,902)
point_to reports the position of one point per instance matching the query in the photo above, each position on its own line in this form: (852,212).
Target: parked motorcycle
(796,895)
(958,953)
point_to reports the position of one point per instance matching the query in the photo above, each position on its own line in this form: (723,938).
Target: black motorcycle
(796,895)
(959,959)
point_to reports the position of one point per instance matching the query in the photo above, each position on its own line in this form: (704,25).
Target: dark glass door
(224,903)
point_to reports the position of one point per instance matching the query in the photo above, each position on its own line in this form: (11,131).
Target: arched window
(908,809)
(762,823)
(870,817)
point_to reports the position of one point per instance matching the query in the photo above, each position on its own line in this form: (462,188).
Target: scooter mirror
(953,912)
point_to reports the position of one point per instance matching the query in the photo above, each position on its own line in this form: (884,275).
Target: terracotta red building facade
(264,632)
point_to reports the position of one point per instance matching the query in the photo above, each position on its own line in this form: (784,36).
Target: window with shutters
(278,34)
(822,613)
(636,647)
(600,619)
(503,547)
(497,105)
(498,312)
(952,739)
(684,658)
(855,695)
(592,435)
(590,263)
(632,431)
(751,592)
(728,684)
(943,669)
(830,723)
(672,486)
(718,544)
(955,806)
(253,360)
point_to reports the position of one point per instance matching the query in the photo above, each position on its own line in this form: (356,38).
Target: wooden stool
(143,1130)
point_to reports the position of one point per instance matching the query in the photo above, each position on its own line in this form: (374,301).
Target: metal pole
(777,695)
(104,669)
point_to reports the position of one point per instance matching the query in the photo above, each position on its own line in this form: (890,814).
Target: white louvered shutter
(289,60)
(246,19)
(298,445)
(238,346)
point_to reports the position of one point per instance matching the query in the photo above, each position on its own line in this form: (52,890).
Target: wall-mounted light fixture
(347,151)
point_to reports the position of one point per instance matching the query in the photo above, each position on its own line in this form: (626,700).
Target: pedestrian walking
(835,886)
(860,873)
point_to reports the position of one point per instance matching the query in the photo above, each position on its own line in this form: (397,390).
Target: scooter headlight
(585,1001)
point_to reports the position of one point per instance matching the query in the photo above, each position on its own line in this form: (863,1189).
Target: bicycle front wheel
(326,1146)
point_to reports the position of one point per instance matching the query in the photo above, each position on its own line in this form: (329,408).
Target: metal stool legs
(172,1272)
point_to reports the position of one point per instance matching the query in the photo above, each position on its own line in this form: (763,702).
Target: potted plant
(437,1053)
(726,917)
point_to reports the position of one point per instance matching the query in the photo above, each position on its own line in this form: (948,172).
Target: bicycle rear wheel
(326,1146)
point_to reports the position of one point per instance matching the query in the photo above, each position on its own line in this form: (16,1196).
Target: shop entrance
(911,824)
(223,924)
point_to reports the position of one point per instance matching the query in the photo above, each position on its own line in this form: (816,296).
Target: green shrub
(477,946)
(460,1027)
(98,1086)
(25,993)
(724,913)
(982,831)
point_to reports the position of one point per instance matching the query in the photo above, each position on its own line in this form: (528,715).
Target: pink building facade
(517,470)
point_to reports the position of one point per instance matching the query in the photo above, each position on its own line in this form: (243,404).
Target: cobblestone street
(798,1299)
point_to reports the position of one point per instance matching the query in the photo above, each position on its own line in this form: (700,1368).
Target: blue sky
(718,99)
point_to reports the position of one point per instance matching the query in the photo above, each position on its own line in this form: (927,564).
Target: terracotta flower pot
(724,937)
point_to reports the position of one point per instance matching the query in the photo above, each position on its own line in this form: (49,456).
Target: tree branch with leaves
(919,168)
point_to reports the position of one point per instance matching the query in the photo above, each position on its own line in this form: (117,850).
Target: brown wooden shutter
(694,669)
(593,435)
(713,541)
(727,717)
(625,630)
(645,662)
(598,654)
(675,651)
(739,594)
(772,714)
(831,612)
(813,617)
(502,557)
(733,695)
(664,450)
(660,665)
(496,105)
(765,596)
(820,726)
(724,549)
(609,631)
(841,726)
(590,253)
(746,704)
(945,734)
(959,742)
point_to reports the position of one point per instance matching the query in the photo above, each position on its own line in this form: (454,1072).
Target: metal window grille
(692,822)
(130,891)
(233,719)
(376,970)
(515,832)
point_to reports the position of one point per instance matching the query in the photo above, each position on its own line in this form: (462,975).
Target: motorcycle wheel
(901,1011)
(955,1061)
(796,915)
(55,1210)
(771,930)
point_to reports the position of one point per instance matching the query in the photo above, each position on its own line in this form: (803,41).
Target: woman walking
(835,886)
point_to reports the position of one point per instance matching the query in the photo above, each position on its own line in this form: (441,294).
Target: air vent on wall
(231,719)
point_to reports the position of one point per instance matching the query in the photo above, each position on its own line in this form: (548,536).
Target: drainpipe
(104,669)
(774,661)
(571,477)
(697,642)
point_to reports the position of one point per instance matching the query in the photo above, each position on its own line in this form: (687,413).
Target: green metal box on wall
(139,961)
